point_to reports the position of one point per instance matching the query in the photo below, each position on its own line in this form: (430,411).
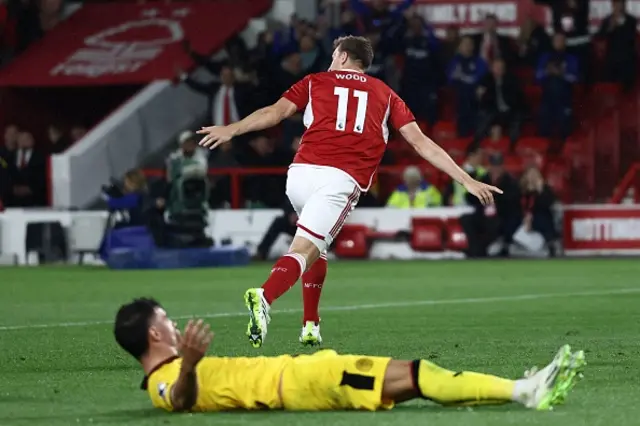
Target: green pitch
(60,365)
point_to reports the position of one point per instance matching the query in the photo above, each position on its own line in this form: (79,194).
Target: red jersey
(347,116)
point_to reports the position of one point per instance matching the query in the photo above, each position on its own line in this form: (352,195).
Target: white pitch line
(407,304)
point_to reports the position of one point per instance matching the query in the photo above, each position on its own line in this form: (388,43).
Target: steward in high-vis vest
(456,194)
(415,192)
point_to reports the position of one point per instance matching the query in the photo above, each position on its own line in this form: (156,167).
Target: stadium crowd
(491,80)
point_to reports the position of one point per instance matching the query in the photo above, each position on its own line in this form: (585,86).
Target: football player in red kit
(347,115)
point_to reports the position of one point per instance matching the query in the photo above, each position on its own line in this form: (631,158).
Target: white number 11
(343,101)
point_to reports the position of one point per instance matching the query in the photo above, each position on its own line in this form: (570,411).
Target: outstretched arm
(433,153)
(265,117)
(261,119)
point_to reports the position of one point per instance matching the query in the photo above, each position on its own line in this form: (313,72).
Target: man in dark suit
(29,180)
(229,100)
(501,102)
(490,45)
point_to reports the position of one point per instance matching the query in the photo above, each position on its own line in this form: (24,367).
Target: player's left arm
(433,153)
(193,345)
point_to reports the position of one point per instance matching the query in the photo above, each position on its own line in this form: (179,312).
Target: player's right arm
(293,100)
(193,346)
(402,119)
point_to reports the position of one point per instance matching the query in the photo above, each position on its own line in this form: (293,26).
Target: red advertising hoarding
(601,230)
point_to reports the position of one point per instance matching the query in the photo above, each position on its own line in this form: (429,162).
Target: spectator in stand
(5,179)
(311,54)
(455,193)
(8,148)
(464,74)
(421,73)
(415,192)
(378,67)
(494,222)
(537,202)
(229,100)
(29,176)
(532,42)
(34,19)
(571,17)
(557,72)
(619,32)
(501,102)
(58,142)
(378,15)
(490,45)
(348,26)
(450,44)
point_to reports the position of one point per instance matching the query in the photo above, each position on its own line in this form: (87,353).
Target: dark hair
(132,325)
(358,49)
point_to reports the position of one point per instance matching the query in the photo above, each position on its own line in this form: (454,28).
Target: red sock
(312,282)
(284,275)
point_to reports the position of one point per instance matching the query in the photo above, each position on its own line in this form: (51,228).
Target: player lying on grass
(179,377)
(347,115)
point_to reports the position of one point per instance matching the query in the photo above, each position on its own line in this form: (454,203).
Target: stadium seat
(352,242)
(490,146)
(456,238)
(532,144)
(514,164)
(443,130)
(427,234)
(557,176)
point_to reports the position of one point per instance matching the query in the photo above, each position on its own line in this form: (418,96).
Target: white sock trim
(301,261)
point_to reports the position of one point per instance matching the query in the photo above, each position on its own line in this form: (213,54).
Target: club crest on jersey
(162,389)
(358,77)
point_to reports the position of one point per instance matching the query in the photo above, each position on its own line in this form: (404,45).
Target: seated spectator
(464,74)
(537,201)
(490,45)
(5,179)
(381,49)
(498,222)
(415,192)
(58,142)
(496,142)
(456,194)
(619,32)
(312,55)
(557,72)
(421,74)
(532,42)
(285,224)
(189,155)
(501,102)
(29,178)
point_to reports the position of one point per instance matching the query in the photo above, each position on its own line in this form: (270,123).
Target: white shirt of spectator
(218,106)
(23,157)
(489,47)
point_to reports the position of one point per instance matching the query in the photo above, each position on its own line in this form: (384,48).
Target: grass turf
(60,365)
